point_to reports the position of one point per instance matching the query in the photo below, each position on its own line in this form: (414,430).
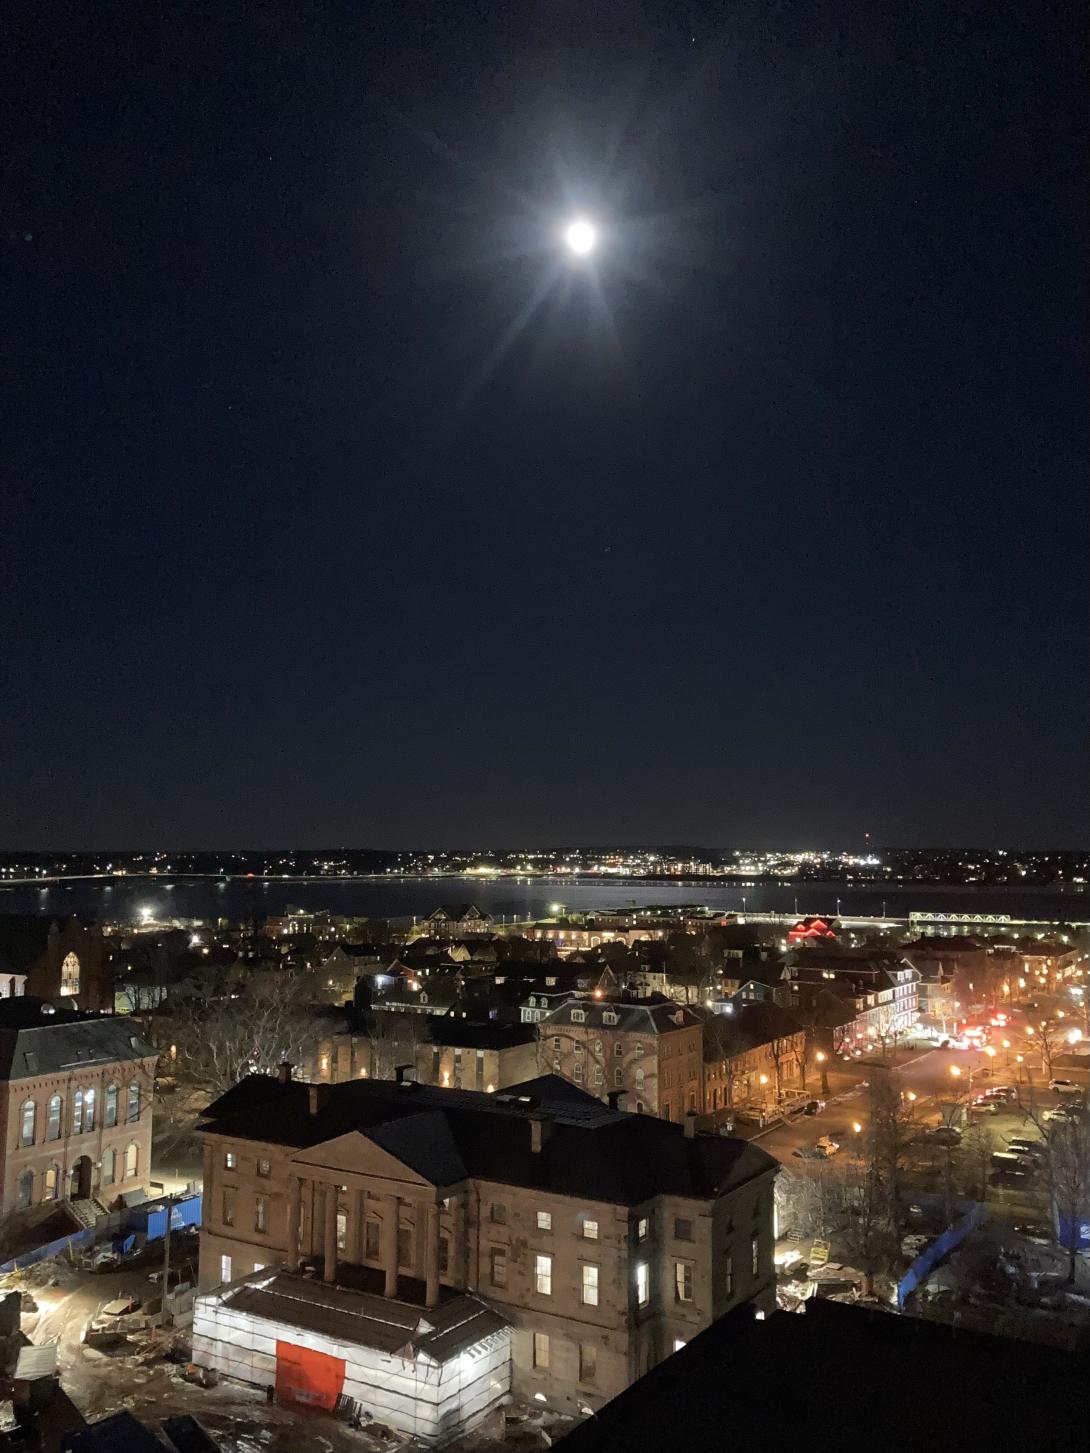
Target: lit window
(578,1016)
(134,1102)
(53,1118)
(683,1281)
(544,1220)
(52,1181)
(77,1112)
(29,1112)
(643,1283)
(132,1160)
(589,1230)
(643,1228)
(499,1266)
(679,1343)
(543,1274)
(111,1106)
(230,1160)
(541,1349)
(70,975)
(225,1269)
(588,1291)
(89,1110)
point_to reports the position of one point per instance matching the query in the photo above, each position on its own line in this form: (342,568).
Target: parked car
(1022,1145)
(1065,1112)
(826,1146)
(944,1134)
(1065,1086)
(1035,1232)
(814,1107)
(984,1107)
(1001,1092)
(1008,1180)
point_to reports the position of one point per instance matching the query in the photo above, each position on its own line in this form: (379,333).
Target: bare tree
(975,1159)
(230,1025)
(1069,1183)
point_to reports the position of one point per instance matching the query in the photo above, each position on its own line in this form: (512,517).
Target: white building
(431,1374)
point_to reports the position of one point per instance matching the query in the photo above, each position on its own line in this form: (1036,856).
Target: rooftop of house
(477,1033)
(44,1037)
(653,1015)
(455,912)
(749,1027)
(791,1372)
(586,1148)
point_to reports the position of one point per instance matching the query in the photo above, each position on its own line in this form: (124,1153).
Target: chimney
(284,1073)
(541,1127)
(690,1124)
(317,1095)
(614,1097)
(403,1073)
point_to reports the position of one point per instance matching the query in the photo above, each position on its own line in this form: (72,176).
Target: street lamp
(857,1129)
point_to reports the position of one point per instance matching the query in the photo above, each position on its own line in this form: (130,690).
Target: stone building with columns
(603,1240)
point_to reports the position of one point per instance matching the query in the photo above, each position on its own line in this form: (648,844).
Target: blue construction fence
(122,1228)
(941,1247)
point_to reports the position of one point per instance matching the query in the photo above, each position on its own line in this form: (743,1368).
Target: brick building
(57,957)
(648,1049)
(75,1103)
(605,1240)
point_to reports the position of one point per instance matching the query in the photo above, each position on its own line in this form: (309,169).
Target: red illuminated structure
(807,930)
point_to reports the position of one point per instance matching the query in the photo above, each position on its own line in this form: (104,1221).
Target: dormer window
(609,1017)
(578,1016)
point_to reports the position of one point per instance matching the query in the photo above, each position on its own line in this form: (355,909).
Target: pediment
(355,1153)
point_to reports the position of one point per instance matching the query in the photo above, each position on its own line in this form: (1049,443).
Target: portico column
(358,1231)
(431,1256)
(389,1244)
(295,1207)
(329,1249)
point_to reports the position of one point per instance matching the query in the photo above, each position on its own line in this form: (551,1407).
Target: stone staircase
(88,1210)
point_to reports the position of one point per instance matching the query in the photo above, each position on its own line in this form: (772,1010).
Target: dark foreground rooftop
(846,1377)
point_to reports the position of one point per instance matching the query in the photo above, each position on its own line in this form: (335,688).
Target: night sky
(345,507)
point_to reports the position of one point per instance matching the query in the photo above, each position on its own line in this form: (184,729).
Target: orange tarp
(303,1376)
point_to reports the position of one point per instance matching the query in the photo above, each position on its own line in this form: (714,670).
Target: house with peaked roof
(456,920)
(594,1241)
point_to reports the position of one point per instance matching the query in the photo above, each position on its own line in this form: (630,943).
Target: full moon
(580,236)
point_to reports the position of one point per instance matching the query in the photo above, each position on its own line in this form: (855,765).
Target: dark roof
(833,1374)
(750,1026)
(119,1433)
(651,1016)
(457,911)
(550,1087)
(589,1151)
(35,1041)
(478,1034)
(366,1320)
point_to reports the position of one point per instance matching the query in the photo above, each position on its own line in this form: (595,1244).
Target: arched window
(70,975)
(77,1113)
(134,1102)
(111,1106)
(26,1190)
(639,1079)
(132,1156)
(53,1119)
(52,1180)
(89,1110)
(26,1134)
(109,1168)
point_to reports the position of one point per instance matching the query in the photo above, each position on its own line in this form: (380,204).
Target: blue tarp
(182,1214)
(941,1247)
(1074,1235)
(52,1248)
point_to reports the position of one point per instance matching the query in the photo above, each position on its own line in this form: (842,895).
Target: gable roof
(36,1042)
(24,938)
(635,1017)
(455,912)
